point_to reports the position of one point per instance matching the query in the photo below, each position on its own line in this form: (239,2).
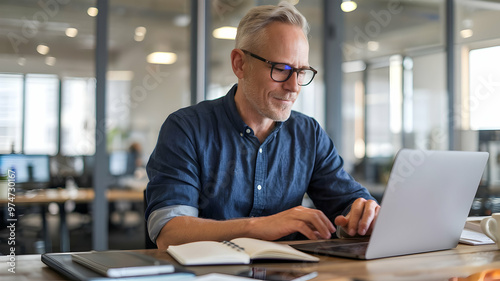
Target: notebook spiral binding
(233,245)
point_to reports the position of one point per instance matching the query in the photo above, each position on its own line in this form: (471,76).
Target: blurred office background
(391,74)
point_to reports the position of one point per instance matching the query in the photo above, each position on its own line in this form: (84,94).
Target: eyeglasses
(281,72)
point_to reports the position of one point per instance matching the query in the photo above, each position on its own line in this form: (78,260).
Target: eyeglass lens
(281,72)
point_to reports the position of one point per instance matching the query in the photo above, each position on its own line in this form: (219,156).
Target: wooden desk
(80,195)
(43,197)
(442,265)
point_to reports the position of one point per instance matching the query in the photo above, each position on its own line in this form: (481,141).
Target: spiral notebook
(236,251)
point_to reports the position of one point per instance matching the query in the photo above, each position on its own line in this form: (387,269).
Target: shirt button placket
(259,187)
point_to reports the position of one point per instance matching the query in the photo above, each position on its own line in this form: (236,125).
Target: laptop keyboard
(349,246)
(355,248)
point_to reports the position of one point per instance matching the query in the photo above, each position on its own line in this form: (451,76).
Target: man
(240,165)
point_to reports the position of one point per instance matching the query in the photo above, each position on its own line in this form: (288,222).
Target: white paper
(474,238)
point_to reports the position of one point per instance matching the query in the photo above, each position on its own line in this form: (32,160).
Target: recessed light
(42,49)
(225,32)
(466,33)
(162,58)
(138,38)
(92,11)
(71,32)
(348,6)
(51,61)
(373,45)
(121,75)
(21,61)
(140,33)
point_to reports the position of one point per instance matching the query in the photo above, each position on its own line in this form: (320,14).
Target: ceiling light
(140,33)
(138,38)
(120,75)
(71,32)
(162,58)
(182,20)
(42,49)
(225,32)
(51,61)
(21,61)
(373,45)
(348,6)
(466,33)
(92,11)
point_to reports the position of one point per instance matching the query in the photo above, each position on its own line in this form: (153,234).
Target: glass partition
(11,113)
(78,116)
(477,120)
(430,103)
(41,114)
(378,135)
(148,70)
(394,70)
(43,43)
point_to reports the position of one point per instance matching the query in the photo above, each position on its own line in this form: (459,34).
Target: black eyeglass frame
(293,69)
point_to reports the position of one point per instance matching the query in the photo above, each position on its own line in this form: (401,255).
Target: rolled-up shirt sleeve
(172,169)
(158,218)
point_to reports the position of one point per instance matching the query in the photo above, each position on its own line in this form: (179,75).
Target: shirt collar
(235,118)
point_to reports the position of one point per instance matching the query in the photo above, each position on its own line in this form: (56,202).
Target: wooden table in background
(44,197)
(80,195)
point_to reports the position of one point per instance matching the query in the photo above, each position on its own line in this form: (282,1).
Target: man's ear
(238,62)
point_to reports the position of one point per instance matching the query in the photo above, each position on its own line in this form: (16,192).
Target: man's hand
(183,229)
(310,222)
(360,220)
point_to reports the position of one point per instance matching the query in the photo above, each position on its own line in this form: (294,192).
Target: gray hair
(253,23)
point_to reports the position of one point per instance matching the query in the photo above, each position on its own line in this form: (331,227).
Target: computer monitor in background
(118,163)
(65,167)
(32,171)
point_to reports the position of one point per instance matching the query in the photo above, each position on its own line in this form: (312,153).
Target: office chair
(148,243)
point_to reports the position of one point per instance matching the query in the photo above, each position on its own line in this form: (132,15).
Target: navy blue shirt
(208,160)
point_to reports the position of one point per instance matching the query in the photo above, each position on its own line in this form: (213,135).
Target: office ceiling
(377,28)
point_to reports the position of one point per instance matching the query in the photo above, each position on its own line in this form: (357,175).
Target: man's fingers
(307,231)
(311,223)
(355,215)
(317,221)
(360,219)
(369,214)
(341,221)
(370,229)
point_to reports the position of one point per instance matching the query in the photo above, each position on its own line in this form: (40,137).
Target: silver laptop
(424,207)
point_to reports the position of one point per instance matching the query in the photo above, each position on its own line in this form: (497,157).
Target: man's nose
(292,84)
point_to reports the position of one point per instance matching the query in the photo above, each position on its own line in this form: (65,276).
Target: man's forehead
(285,43)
